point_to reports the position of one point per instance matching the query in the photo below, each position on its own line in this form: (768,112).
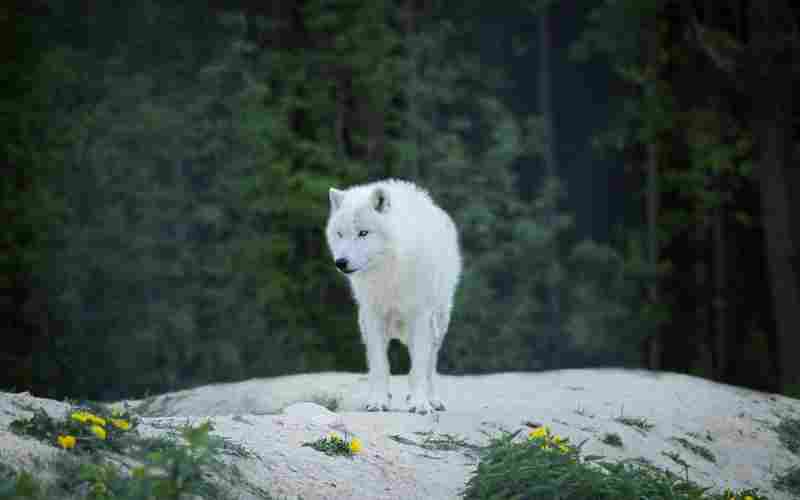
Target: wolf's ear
(336,197)
(380,200)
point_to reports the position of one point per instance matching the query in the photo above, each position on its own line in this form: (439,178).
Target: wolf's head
(357,231)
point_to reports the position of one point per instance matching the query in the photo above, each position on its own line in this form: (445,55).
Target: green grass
(700,451)
(789,435)
(434,441)
(511,468)
(639,423)
(443,441)
(697,436)
(675,457)
(790,481)
(612,439)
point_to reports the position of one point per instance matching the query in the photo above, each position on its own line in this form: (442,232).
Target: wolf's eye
(362,233)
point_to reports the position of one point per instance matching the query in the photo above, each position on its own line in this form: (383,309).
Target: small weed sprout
(698,450)
(639,423)
(612,439)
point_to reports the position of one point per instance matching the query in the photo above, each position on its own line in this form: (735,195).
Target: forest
(624,175)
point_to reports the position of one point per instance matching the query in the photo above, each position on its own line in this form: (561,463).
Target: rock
(313,413)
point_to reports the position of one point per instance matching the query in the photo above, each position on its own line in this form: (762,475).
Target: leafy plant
(789,434)
(512,469)
(85,429)
(159,468)
(334,445)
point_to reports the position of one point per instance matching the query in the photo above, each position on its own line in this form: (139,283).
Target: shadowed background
(609,167)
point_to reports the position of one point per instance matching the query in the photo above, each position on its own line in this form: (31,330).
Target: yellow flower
(80,416)
(355,445)
(538,432)
(333,437)
(99,431)
(84,417)
(96,420)
(748,497)
(121,424)
(66,442)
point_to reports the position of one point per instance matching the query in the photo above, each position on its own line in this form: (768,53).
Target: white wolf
(400,252)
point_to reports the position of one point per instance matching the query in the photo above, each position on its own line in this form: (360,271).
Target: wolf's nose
(341,264)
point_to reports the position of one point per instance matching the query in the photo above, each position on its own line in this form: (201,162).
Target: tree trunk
(545,95)
(654,344)
(719,301)
(772,90)
(780,247)
(409,15)
(701,335)
(551,164)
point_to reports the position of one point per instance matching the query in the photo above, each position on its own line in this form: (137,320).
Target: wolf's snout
(341,264)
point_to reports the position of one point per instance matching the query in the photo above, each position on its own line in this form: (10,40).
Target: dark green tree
(191,151)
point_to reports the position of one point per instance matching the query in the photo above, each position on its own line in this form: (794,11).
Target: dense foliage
(191,151)
(168,166)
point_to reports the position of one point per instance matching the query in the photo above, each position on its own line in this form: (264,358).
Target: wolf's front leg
(439,324)
(433,395)
(421,348)
(373,332)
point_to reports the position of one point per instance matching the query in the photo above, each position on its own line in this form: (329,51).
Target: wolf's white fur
(403,272)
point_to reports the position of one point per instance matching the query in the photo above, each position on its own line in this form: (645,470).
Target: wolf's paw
(377,402)
(434,403)
(437,404)
(420,406)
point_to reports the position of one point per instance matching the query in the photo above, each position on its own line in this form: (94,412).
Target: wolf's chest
(387,293)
